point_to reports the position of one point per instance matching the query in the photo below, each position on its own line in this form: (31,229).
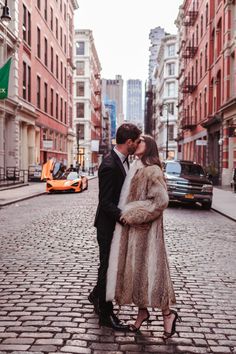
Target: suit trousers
(104,239)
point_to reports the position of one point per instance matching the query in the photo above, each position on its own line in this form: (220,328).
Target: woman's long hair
(151,154)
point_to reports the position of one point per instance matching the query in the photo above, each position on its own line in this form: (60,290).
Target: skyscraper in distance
(134,112)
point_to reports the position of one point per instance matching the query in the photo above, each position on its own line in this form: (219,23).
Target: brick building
(45,81)
(207,84)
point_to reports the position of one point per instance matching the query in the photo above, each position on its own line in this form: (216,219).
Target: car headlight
(75,184)
(49,185)
(207,188)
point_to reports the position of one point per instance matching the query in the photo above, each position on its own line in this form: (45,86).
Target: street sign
(47,144)
(201,142)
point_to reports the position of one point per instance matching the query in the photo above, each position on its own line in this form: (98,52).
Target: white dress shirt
(122,159)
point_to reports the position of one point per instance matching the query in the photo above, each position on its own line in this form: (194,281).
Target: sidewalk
(22,192)
(224,202)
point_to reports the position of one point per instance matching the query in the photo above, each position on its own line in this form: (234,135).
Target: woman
(138,270)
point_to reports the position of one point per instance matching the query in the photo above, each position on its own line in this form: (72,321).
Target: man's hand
(123,221)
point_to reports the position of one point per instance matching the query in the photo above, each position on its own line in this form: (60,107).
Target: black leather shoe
(94,300)
(109,321)
(115,318)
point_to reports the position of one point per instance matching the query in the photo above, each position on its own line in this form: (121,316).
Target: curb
(225,215)
(21,199)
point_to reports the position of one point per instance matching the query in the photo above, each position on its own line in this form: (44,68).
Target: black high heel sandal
(134,329)
(166,334)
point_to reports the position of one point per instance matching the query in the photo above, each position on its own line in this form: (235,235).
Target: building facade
(155,36)
(134,113)
(207,85)
(45,81)
(113,90)
(9,107)
(87,101)
(165,113)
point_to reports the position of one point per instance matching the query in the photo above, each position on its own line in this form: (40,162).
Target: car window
(173,168)
(192,170)
(176,168)
(72,175)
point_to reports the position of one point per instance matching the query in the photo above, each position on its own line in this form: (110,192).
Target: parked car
(187,182)
(69,181)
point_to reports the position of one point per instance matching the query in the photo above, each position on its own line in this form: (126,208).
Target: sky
(121,32)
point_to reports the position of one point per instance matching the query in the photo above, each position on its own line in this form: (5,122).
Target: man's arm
(106,192)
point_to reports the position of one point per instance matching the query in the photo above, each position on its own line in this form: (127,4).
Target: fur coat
(138,270)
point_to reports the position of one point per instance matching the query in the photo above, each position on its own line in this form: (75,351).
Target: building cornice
(75,4)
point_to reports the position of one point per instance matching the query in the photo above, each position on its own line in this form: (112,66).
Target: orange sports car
(68,182)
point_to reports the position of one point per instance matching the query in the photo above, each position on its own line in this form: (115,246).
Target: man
(111,174)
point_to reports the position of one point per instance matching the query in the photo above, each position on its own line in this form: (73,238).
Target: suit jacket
(111,175)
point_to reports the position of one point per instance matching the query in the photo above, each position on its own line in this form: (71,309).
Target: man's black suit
(111,176)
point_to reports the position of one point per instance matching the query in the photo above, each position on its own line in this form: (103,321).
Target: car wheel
(206,206)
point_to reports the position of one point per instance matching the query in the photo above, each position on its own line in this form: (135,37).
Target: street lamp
(5,17)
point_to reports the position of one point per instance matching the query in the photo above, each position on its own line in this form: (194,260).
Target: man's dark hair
(127,131)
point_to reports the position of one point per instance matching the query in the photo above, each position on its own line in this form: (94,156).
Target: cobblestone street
(48,265)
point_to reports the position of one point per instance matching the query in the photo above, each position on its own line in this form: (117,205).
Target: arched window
(196,71)
(197,35)
(200,65)
(201,29)
(219,37)
(206,57)
(205,102)
(207,15)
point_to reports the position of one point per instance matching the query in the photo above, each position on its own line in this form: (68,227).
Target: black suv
(187,182)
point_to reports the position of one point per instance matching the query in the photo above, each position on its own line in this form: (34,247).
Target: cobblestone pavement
(48,264)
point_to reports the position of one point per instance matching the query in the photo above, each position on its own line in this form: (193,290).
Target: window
(57,67)
(80,110)
(64,12)
(24,23)
(80,68)
(38,98)
(206,57)
(61,36)
(24,79)
(200,65)
(45,97)
(207,15)
(80,131)
(171,132)
(46,10)
(171,69)
(171,108)
(57,103)
(26,84)
(61,106)
(65,78)
(29,28)
(46,51)
(171,50)
(51,101)
(79,48)
(196,72)
(197,35)
(201,28)
(61,5)
(38,43)
(52,59)
(26,26)
(56,28)
(171,89)
(65,112)
(219,37)
(61,72)
(205,102)
(80,88)
(51,20)
(64,43)
(39,4)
